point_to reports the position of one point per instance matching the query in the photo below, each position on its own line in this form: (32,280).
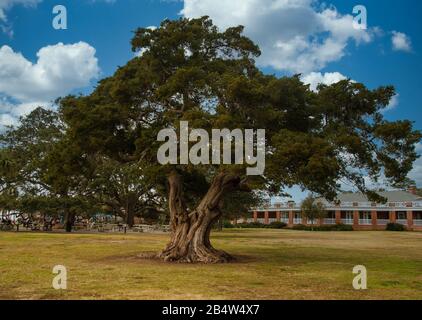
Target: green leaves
(313,209)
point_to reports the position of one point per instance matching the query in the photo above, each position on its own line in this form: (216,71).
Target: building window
(261,217)
(297,218)
(365,218)
(272,217)
(383,218)
(347,217)
(401,217)
(417,218)
(331,218)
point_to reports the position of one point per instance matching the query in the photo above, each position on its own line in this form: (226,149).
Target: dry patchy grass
(271,264)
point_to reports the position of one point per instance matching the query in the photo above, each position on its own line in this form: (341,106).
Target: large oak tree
(188,70)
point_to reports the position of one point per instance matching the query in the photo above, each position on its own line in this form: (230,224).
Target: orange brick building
(351,209)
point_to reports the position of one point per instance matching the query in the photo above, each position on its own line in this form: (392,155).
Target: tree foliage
(313,209)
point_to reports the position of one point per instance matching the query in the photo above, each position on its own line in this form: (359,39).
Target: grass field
(271,264)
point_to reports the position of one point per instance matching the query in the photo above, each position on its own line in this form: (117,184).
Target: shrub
(251,225)
(277,225)
(228,225)
(395,227)
(257,225)
(341,227)
(337,227)
(302,227)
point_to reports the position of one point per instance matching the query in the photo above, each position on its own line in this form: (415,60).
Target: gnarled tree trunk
(190,238)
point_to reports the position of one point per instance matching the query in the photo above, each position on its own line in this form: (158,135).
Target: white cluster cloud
(316,78)
(401,42)
(294,35)
(59,70)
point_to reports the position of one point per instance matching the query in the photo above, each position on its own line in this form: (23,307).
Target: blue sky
(302,36)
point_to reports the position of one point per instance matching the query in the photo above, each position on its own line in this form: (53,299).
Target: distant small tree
(312,209)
